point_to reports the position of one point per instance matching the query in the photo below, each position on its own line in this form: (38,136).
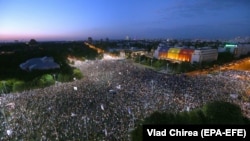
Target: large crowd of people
(111,100)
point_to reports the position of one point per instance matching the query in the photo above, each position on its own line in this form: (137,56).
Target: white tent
(43,63)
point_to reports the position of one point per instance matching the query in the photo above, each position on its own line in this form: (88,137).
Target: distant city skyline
(140,19)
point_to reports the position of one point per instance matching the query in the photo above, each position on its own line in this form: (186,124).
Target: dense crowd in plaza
(111,99)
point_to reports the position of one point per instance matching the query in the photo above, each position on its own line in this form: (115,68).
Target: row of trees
(183,67)
(15,85)
(159,64)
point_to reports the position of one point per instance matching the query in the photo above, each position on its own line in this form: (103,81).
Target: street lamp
(54,76)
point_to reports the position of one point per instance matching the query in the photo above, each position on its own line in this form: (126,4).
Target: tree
(77,73)
(107,39)
(32,42)
(90,40)
(18,86)
(223,113)
(217,112)
(46,80)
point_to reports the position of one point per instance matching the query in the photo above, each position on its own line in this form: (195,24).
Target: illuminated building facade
(238,49)
(173,53)
(178,54)
(204,55)
(186,54)
(161,51)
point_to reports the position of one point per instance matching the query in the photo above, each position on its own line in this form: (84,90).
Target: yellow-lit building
(173,53)
(186,54)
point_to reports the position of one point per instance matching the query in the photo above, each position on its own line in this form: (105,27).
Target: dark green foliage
(197,117)
(46,80)
(5,87)
(77,74)
(217,112)
(32,42)
(225,57)
(182,118)
(223,113)
(136,135)
(20,52)
(8,85)
(65,77)
(19,86)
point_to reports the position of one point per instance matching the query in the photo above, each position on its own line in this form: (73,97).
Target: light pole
(54,75)
(151,62)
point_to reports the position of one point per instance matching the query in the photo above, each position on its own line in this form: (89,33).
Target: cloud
(194,8)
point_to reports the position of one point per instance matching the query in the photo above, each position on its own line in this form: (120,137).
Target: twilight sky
(116,19)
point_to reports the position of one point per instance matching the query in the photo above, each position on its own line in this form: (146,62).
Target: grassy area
(13,78)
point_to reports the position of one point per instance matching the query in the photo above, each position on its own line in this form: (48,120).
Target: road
(242,65)
(95,48)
